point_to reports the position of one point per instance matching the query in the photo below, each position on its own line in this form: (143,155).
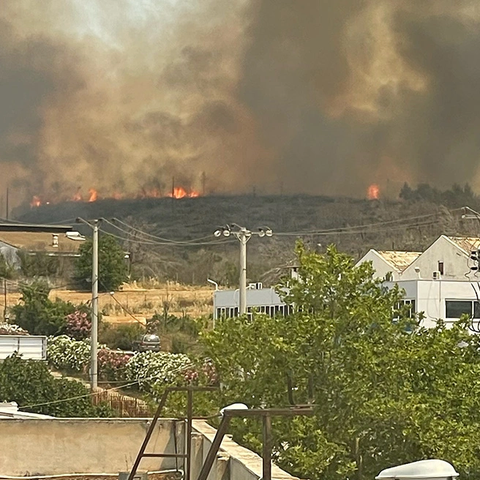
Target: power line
(154,236)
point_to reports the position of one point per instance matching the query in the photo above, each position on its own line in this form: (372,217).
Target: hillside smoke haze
(307,96)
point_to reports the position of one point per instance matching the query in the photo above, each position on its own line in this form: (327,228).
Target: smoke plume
(313,96)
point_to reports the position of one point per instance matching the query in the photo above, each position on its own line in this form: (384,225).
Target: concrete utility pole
(243,235)
(94,329)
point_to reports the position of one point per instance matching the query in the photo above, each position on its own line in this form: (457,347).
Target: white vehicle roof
(424,469)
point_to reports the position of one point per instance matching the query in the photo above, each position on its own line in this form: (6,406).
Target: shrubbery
(78,325)
(30,385)
(152,370)
(39,315)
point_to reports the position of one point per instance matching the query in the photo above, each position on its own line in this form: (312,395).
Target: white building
(262,300)
(446,258)
(438,282)
(389,263)
(442,299)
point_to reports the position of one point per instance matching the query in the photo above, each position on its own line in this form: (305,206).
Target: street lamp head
(226,232)
(265,231)
(217,233)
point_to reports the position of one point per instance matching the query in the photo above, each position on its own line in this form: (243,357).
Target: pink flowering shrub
(78,325)
(111,364)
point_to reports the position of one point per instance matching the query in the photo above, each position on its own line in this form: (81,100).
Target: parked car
(148,342)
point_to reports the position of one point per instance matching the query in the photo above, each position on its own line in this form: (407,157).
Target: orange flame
(78,196)
(36,202)
(180,192)
(93,195)
(373,192)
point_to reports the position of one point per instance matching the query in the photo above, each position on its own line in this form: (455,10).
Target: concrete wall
(68,446)
(234,462)
(56,446)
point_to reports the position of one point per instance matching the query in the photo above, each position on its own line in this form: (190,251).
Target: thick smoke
(351,92)
(314,96)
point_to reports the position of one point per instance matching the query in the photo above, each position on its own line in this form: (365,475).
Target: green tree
(39,315)
(112,269)
(381,395)
(38,264)
(30,384)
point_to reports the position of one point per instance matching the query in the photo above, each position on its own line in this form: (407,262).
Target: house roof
(467,244)
(399,260)
(33,227)
(39,241)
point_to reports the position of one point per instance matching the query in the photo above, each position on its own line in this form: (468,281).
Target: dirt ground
(134,303)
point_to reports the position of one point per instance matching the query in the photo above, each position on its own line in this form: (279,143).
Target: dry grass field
(134,303)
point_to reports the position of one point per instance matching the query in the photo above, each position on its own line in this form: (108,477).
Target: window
(410,307)
(457,308)
(440,268)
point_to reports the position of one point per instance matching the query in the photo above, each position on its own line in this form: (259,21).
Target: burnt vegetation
(410,222)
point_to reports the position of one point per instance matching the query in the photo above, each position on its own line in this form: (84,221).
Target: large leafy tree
(384,391)
(37,313)
(112,269)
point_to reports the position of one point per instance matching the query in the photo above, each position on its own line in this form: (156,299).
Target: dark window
(476,309)
(411,310)
(440,267)
(457,308)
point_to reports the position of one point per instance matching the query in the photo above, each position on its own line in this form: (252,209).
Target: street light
(243,235)
(94,329)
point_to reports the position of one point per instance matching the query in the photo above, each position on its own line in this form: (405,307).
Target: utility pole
(94,331)
(94,328)
(243,235)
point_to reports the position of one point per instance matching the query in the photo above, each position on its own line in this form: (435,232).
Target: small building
(263,300)
(50,240)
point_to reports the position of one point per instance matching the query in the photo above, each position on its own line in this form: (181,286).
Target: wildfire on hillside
(373,192)
(93,196)
(36,202)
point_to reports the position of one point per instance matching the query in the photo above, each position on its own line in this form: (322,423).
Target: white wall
(455,261)
(381,266)
(430,296)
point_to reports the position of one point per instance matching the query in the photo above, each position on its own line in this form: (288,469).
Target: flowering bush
(155,370)
(69,355)
(111,364)
(152,370)
(78,325)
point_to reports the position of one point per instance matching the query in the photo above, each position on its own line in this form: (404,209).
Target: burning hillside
(320,96)
(93,195)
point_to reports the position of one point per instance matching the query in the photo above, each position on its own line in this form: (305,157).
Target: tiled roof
(466,243)
(398,259)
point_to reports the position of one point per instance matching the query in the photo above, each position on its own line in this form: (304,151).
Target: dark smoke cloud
(318,96)
(353,92)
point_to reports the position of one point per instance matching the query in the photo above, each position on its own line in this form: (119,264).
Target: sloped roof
(397,259)
(467,244)
(39,241)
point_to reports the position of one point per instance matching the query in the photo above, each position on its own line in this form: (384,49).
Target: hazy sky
(313,96)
